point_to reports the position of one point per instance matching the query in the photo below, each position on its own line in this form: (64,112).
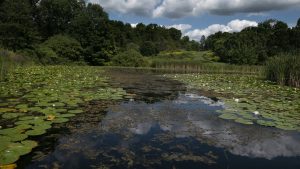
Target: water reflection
(194,116)
(181,133)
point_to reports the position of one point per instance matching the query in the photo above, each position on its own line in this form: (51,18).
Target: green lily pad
(228,116)
(60,120)
(10,131)
(8,157)
(14,150)
(18,137)
(67,115)
(23,126)
(75,111)
(36,132)
(11,115)
(4,110)
(243,121)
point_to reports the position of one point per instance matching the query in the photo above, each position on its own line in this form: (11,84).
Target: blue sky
(202,17)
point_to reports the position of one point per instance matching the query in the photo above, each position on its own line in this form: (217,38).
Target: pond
(162,125)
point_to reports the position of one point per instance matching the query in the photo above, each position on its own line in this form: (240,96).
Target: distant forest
(57,31)
(254,45)
(63,31)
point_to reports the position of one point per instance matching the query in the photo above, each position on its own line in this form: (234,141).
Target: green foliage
(55,16)
(61,46)
(284,69)
(148,49)
(38,29)
(129,58)
(17,28)
(254,45)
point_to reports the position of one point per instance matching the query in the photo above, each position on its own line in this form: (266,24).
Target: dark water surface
(164,126)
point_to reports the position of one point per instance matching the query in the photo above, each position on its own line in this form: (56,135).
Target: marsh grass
(284,69)
(9,60)
(200,67)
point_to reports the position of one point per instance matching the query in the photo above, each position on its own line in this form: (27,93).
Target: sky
(202,17)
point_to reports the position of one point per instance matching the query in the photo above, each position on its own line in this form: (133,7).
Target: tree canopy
(25,24)
(254,45)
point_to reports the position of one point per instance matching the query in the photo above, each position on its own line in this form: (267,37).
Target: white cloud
(232,26)
(137,7)
(182,27)
(257,14)
(134,25)
(182,8)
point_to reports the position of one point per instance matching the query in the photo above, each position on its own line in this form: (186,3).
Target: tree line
(59,31)
(254,45)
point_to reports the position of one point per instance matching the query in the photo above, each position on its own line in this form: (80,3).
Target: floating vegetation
(34,98)
(250,100)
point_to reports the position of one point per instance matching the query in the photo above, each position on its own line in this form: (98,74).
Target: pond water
(165,125)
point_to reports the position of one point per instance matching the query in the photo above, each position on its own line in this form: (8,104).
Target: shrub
(129,58)
(284,69)
(61,47)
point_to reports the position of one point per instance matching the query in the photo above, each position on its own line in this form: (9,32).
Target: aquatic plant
(284,70)
(249,99)
(33,99)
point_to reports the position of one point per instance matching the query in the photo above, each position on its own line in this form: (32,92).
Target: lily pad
(11,115)
(243,121)
(36,132)
(75,111)
(60,120)
(228,116)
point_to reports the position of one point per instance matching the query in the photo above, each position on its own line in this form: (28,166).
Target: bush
(284,70)
(129,58)
(60,48)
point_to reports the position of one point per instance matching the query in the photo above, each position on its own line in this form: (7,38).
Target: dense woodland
(67,31)
(254,45)
(58,31)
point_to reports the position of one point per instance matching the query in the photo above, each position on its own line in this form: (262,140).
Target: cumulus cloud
(182,27)
(182,8)
(233,26)
(137,7)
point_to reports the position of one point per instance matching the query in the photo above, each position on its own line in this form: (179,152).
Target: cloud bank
(233,26)
(183,8)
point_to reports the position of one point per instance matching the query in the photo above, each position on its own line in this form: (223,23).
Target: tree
(148,49)
(175,34)
(92,30)
(55,16)
(17,27)
(202,42)
(298,23)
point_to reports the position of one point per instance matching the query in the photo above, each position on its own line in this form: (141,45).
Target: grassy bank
(198,62)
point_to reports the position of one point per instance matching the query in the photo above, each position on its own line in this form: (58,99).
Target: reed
(200,67)
(284,69)
(9,60)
